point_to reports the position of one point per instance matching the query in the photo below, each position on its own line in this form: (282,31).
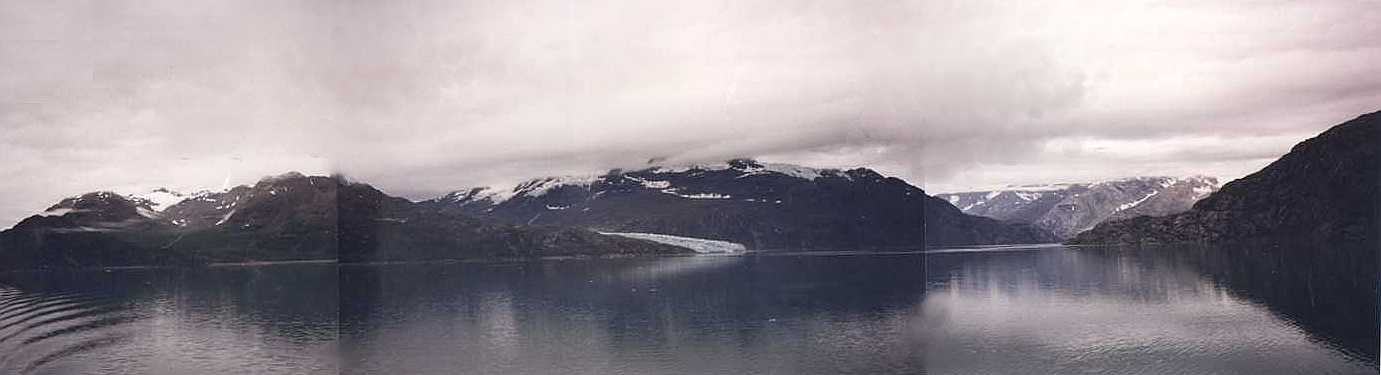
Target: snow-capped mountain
(1324,191)
(285,217)
(161,198)
(1067,209)
(760,205)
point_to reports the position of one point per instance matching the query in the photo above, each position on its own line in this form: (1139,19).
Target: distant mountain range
(1067,209)
(739,205)
(759,205)
(287,217)
(1325,190)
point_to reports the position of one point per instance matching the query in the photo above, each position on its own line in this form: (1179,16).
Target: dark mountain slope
(763,206)
(1324,190)
(286,217)
(94,229)
(377,227)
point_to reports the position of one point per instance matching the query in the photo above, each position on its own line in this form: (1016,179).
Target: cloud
(423,97)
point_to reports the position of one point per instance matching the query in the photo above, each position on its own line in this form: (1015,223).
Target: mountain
(285,217)
(100,228)
(162,198)
(378,227)
(1067,209)
(760,205)
(1323,191)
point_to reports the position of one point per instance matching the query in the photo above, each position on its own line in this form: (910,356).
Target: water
(236,320)
(989,311)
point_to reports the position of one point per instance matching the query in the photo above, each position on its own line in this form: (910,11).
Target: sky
(423,97)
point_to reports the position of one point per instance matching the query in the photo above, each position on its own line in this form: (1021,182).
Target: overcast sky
(422,97)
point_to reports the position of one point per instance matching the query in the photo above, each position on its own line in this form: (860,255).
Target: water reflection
(1005,311)
(1017,311)
(1167,310)
(216,321)
(711,315)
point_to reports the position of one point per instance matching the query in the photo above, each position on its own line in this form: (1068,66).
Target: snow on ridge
(690,167)
(1125,206)
(699,245)
(791,170)
(542,186)
(530,188)
(754,169)
(476,195)
(160,199)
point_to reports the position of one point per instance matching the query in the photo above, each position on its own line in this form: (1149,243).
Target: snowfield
(699,245)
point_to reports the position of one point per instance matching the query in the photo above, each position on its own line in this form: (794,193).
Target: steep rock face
(1324,190)
(763,206)
(1067,209)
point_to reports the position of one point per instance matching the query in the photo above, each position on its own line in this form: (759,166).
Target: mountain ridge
(1067,209)
(283,217)
(760,205)
(1323,191)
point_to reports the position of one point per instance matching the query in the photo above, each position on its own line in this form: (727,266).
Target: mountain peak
(291,175)
(761,205)
(1323,190)
(1070,208)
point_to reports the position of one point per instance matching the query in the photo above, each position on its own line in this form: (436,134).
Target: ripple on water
(39,329)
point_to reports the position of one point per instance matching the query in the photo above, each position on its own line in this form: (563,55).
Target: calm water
(1004,311)
(242,320)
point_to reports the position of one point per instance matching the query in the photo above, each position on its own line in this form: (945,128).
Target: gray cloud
(422,97)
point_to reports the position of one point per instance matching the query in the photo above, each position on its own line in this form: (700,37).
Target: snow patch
(57,212)
(699,245)
(650,184)
(1029,196)
(1202,191)
(478,194)
(1125,206)
(691,167)
(696,195)
(790,170)
(539,187)
(226,217)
